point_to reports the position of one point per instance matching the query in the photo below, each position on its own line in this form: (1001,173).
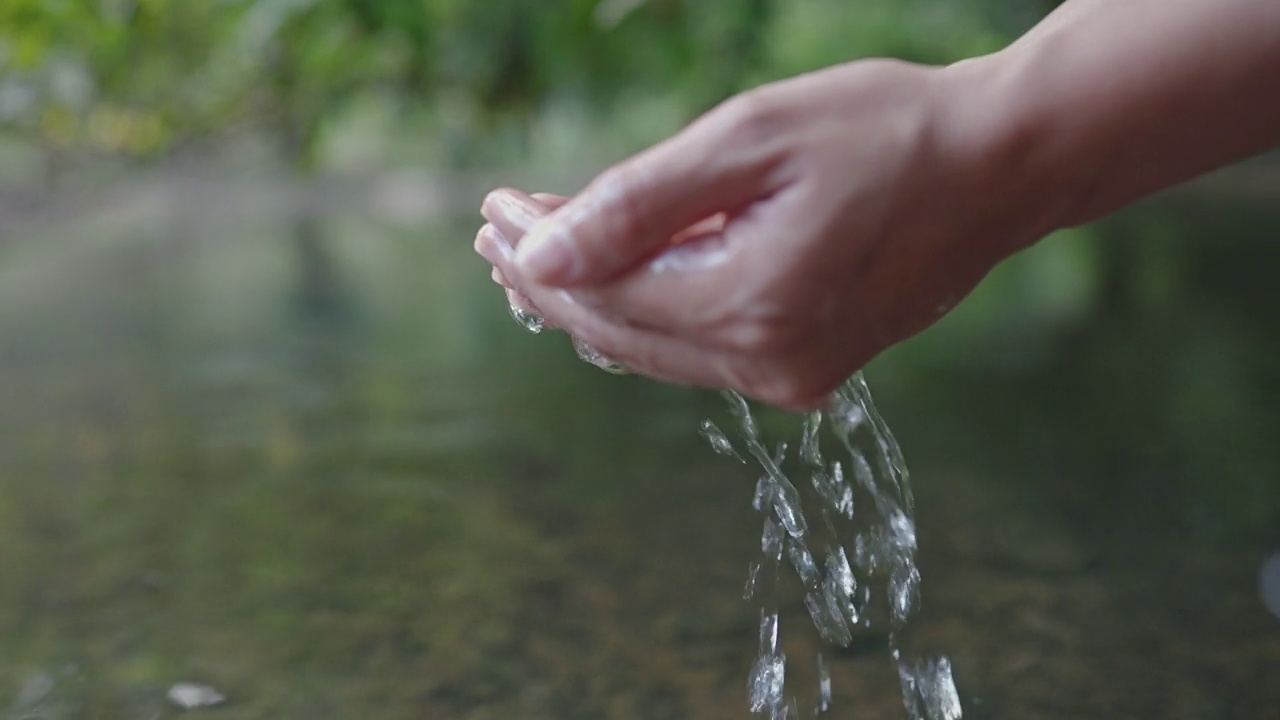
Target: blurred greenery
(141,77)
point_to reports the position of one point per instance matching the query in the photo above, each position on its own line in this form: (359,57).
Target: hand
(778,243)
(514,219)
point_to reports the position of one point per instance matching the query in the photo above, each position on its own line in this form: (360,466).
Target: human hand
(520,212)
(778,243)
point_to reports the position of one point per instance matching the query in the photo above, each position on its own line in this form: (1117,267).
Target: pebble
(191,696)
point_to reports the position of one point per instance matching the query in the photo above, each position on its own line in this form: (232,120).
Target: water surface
(317,467)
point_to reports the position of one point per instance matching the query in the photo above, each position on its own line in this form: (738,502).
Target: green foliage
(816,33)
(137,77)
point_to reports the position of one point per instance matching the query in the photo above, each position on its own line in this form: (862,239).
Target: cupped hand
(778,243)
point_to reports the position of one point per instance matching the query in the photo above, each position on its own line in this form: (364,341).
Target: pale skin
(824,218)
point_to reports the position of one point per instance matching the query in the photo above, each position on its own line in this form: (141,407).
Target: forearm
(1107,101)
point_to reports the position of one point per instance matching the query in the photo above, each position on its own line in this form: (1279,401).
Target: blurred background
(266,426)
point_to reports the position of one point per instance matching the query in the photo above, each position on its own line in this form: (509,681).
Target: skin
(787,237)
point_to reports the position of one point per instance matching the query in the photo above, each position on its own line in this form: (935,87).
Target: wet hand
(778,243)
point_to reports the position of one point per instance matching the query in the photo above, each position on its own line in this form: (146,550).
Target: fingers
(489,235)
(550,200)
(686,290)
(636,207)
(643,351)
(523,304)
(512,212)
(717,284)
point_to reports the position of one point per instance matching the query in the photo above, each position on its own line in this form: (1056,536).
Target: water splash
(824,687)
(535,324)
(718,441)
(929,690)
(839,593)
(865,529)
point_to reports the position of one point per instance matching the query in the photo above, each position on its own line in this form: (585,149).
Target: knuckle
(615,203)
(754,117)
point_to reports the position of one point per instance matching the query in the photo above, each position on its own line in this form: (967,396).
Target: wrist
(1085,113)
(1028,175)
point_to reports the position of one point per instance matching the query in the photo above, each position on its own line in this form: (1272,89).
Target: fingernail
(509,207)
(486,244)
(547,254)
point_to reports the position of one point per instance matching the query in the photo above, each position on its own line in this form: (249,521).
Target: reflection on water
(1269,584)
(321,474)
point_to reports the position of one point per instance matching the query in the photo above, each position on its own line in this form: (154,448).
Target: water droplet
(833,490)
(787,507)
(771,540)
(753,578)
(844,504)
(827,619)
(593,356)
(764,494)
(533,323)
(810,452)
(768,633)
(929,691)
(824,687)
(842,494)
(841,585)
(718,441)
(789,712)
(803,562)
(904,592)
(847,414)
(741,410)
(862,473)
(768,677)
(901,534)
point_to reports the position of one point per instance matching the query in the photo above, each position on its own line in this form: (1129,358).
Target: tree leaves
(181,69)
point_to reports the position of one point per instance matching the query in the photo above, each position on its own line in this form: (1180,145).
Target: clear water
(882,541)
(865,514)
(330,480)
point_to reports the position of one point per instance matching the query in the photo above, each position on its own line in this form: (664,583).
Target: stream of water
(861,526)
(863,531)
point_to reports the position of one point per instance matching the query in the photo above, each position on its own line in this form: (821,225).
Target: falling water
(863,530)
(860,522)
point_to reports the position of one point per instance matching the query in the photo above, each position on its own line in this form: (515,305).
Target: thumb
(632,210)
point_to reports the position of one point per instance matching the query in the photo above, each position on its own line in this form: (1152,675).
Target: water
(884,544)
(535,324)
(340,484)
(839,599)
(529,321)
